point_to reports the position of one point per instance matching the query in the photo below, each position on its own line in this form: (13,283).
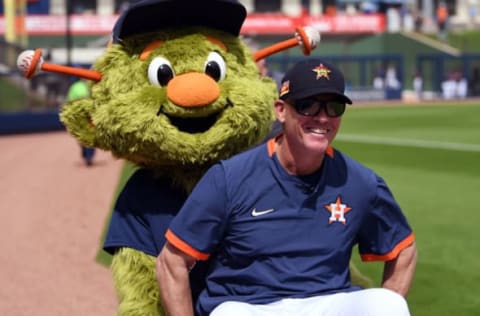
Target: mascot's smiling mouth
(193,125)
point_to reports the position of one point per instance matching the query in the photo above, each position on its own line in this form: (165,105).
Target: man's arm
(398,273)
(172,275)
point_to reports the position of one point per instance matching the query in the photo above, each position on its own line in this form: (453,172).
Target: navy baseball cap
(312,77)
(154,15)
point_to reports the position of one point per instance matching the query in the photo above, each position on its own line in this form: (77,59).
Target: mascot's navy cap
(153,15)
(312,77)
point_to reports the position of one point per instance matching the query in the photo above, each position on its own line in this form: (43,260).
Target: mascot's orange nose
(193,90)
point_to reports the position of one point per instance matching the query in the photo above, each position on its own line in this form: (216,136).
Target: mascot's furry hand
(176,92)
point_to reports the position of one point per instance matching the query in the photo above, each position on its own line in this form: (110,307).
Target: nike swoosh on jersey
(259,213)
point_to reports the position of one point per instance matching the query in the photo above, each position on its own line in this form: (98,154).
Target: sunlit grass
(438,189)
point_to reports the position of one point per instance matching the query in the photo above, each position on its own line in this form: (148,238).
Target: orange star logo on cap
(322,72)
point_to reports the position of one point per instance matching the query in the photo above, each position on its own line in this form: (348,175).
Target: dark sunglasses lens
(334,108)
(307,107)
(312,107)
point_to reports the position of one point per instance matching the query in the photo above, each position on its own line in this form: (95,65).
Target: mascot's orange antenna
(31,62)
(305,37)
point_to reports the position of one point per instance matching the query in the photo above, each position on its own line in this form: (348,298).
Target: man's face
(314,132)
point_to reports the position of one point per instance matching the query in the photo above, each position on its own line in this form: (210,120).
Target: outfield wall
(30,122)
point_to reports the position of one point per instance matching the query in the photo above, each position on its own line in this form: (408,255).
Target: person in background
(265,71)
(418,85)
(263,68)
(279,221)
(442,20)
(462,85)
(79,89)
(379,79)
(474,83)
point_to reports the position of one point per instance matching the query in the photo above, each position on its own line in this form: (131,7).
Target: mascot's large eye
(160,71)
(215,66)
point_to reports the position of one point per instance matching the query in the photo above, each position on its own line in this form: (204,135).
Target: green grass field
(14,98)
(430,157)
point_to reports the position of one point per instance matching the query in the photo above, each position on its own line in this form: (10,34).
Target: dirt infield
(52,212)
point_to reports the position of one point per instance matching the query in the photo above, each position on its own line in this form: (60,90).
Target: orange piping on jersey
(330,151)
(148,50)
(392,254)
(271,147)
(181,245)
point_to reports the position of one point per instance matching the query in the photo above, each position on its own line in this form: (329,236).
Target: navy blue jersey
(142,214)
(272,235)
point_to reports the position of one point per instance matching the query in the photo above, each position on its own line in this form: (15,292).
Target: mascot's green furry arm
(176,92)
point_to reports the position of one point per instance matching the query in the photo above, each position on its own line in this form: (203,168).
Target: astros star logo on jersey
(322,71)
(337,211)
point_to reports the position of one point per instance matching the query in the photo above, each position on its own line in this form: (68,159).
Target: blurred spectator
(408,21)
(449,87)
(379,79)
(442,19)
(394,19)
(455,86)
(78,90)
(472,12)
(262,64)
(368,7)
(462,85)
(391,79)
(267,71)
(331,10)
(418,20)
(475,82)
(418,85)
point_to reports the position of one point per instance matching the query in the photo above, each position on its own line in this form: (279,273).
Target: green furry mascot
(176,92)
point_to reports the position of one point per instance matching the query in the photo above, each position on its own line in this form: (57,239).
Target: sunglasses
(312,107)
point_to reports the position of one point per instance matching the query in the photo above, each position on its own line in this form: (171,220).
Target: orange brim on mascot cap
(153,15)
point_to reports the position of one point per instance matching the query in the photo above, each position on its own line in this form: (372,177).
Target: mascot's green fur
(130,114)
(173,100)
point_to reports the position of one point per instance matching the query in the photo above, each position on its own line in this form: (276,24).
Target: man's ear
(280,109)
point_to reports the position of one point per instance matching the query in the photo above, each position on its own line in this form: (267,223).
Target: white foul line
(409,142)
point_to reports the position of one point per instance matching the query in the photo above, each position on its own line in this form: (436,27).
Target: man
(79,90)
(279,221)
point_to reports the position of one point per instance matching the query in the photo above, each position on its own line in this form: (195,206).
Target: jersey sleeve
(199,226)
(131,224)
(385,231)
